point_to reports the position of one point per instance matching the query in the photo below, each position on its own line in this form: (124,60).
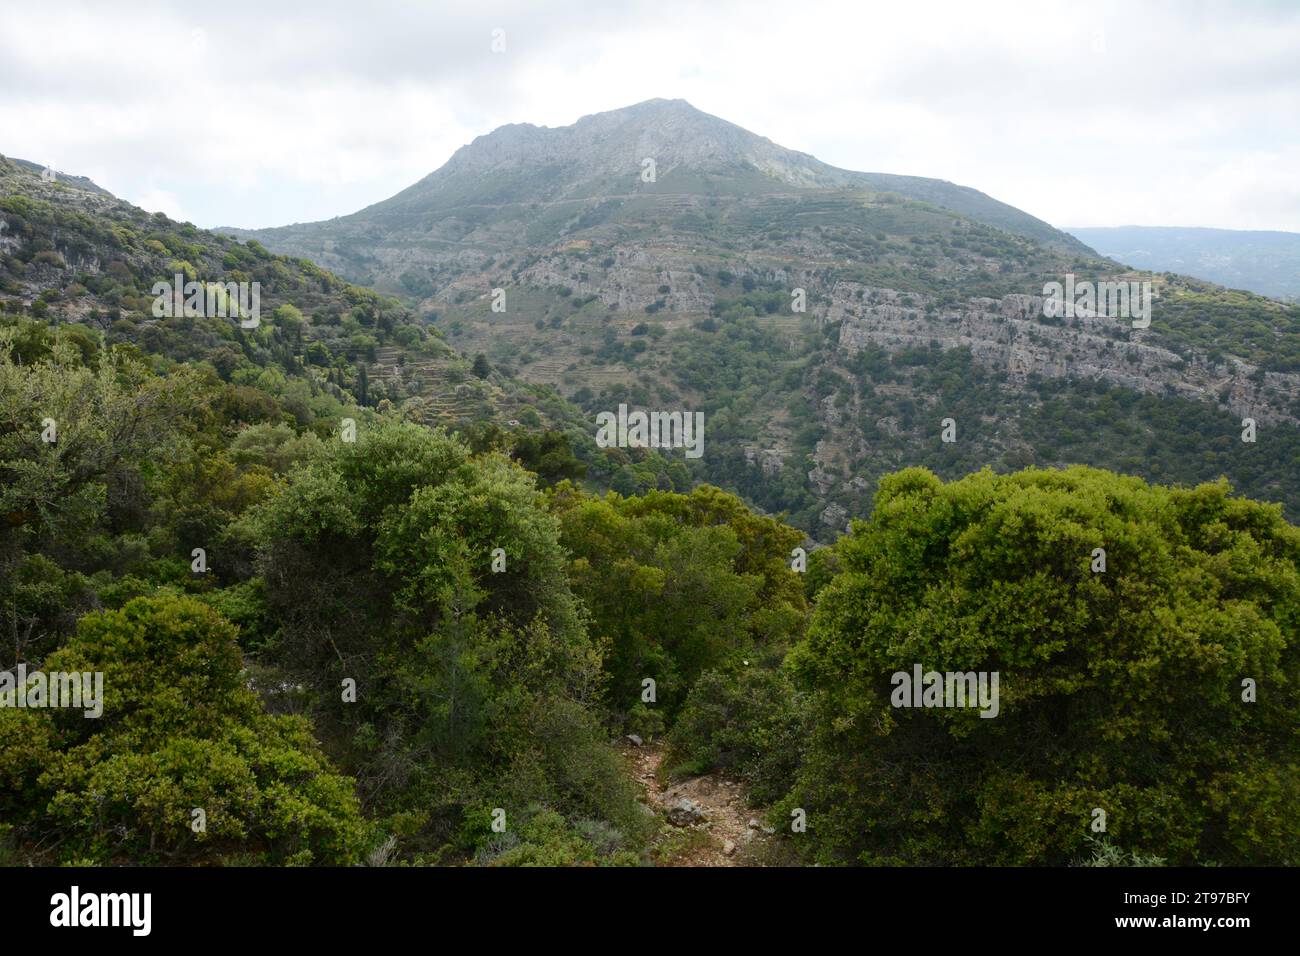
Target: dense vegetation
(1157,695)
(678,584)
(397,637)
(402,605)
(179,732)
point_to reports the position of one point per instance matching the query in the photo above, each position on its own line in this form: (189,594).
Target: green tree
(678,584)
(85,436)
(102,420)
(435,580)
(1120,690)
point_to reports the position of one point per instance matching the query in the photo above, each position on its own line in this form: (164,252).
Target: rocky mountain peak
(605,153)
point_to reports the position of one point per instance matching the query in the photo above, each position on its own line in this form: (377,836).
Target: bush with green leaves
(86,435)
(750,722)
(1164,691)
(1106,853)
(179,732)
(678,584)
(435,581)
(542,837)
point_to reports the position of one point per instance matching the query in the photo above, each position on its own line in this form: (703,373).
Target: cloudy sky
(260,114)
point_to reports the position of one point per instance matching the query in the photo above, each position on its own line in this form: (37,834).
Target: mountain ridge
(680,293)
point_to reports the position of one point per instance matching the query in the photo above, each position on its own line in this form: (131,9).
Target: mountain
(828,330)
(180,510)
(1257,260)
(548,182)
(923,302)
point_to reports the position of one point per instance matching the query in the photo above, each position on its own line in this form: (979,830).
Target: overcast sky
(261,114)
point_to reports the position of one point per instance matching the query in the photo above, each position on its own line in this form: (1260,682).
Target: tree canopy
(1161,691)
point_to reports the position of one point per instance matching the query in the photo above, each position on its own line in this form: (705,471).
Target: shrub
(749,722)
(179,731)
(677,584)
(51,258)
(544,838)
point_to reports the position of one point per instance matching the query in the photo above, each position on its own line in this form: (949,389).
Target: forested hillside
(74,254)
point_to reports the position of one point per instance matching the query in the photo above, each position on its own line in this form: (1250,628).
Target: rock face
(770,460)
(612,145)
(1010,335)
(835,516)
(629,284)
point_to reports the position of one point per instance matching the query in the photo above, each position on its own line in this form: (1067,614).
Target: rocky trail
(708,821)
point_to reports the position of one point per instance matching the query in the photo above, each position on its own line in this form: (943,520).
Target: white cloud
(243,113)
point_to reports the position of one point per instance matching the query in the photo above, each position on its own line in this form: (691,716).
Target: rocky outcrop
(1011,335)
(770,460)
(631,283)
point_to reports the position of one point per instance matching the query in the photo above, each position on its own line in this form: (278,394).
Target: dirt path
(724,838)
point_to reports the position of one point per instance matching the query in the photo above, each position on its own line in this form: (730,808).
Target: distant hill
(1255,260)
(70,251)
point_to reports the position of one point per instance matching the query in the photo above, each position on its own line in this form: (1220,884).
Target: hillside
(923,301)
(313,630)
(70,252)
